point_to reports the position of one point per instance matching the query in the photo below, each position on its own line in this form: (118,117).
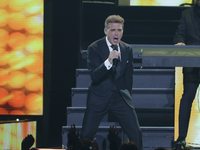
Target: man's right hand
(113,54)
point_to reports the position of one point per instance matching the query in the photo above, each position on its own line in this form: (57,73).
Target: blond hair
(114,19)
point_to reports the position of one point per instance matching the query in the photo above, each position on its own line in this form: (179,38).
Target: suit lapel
(104,49)
(124,57)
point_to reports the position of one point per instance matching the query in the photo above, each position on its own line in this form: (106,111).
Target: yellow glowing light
(3,94)
(7,98)
(3,76)
(3,3)
(17,5)
(34,63)
(3,17)
(4,57)
(16,79)
(2,50)
(16,21)
(3,37)
(34,6)
(24,62)
(17,99)
(33,100)
(21,57)
(34,24)
(16,40)
(33,82)
(34,44)
(158,2)
(15,57)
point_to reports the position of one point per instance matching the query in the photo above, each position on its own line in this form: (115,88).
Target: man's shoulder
(97,45)
(98,42)
(187,10)
(124,44)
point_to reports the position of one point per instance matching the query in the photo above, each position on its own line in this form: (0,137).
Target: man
(188,33)
(111,83)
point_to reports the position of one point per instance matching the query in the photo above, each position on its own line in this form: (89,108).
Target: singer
(111,72)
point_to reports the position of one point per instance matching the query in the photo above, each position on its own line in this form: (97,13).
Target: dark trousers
(185,107)
(125,115)
(190,85)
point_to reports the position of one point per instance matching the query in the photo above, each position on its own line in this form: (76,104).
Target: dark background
(69,27)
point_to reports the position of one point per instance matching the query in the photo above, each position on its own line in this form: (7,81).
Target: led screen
(12,134)
(21,57)
(158,2)
(193,136)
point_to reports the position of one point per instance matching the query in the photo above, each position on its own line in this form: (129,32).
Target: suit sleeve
(180,35)
(95,64)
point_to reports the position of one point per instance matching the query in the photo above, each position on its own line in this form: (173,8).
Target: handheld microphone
(115,47)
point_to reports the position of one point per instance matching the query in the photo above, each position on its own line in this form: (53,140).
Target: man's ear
(105,31)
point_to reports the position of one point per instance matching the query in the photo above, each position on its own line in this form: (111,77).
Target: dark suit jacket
(189,34)
(187,31)
(100,90)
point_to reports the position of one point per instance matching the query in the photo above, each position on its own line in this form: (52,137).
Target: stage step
(142,78)
(146,117)
(152,136)
(142,97)
(153,98)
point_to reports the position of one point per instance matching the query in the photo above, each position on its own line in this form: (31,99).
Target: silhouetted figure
(73,142)
(113,138)
(27,142)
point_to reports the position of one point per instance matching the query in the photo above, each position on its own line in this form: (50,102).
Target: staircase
(153,98)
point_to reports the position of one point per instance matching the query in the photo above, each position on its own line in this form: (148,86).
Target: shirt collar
(109,44)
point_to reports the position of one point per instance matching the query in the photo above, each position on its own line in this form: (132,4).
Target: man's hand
(180,43)
(27,142)
(113,54)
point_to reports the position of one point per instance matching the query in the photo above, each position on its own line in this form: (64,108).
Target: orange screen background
(21,57)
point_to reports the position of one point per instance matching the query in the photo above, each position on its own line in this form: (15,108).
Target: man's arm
(95,65)
(180,35)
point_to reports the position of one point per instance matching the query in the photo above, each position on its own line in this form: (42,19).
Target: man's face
(198,2)
(114,33)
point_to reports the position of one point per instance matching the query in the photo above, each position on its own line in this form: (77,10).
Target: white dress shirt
(106,62)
